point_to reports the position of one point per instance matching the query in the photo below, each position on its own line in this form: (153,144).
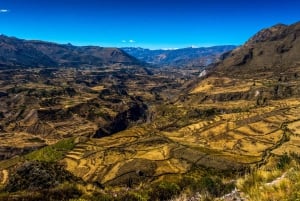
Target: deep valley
(119,129)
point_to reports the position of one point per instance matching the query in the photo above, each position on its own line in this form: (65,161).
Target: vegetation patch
(35,175)
(278,183)
(53,152)
(164,191)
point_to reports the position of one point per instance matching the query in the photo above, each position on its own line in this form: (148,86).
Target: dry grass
(172,166)
(238,136)
(267,185)
(295,127)
(98,88)
(214,85)
(293,145)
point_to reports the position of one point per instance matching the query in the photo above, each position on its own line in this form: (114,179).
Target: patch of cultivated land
(229,140)
(221,124)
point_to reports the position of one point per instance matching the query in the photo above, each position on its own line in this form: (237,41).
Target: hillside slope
(28,53)
(275,49)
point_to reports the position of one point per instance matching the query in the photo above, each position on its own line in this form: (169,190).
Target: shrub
(211,185)
(98,197)
(133,196)
(189,182)
(36,175)
(63,192)
(284,160)
(164,191)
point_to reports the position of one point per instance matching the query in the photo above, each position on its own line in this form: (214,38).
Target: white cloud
(124,41)
(131,41)
(4,10)
(170,48)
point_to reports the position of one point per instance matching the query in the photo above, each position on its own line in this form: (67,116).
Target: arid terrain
(128,131)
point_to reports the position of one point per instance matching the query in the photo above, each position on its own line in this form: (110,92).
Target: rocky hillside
(275,49)
(255,90)
(16,52)
(180,57)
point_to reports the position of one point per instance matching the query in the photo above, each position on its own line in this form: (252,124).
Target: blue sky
(150,24)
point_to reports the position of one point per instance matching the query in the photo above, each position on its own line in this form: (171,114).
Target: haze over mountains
(187,57)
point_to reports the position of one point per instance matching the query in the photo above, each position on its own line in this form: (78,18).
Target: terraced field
(130,131)
(223,124)
(231,140)
(125,137)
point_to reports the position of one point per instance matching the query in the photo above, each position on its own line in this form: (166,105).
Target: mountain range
(130,133)
(16,52)
(190,56)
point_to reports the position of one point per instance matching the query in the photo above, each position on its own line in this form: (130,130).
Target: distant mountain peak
(273,50)
(189,56)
